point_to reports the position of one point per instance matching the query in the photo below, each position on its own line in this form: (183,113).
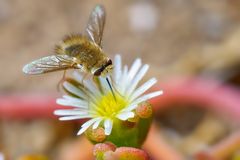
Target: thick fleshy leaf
(129,153)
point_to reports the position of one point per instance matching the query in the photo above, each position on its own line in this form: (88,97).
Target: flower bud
(96,135)
(129,153)
(144,110)
(100,149)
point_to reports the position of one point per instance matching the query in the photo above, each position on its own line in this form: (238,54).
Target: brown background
(29,29)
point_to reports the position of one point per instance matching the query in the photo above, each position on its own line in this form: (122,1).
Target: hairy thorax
(89,55)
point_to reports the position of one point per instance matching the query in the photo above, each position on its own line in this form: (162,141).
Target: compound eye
(109,62)
(98,72)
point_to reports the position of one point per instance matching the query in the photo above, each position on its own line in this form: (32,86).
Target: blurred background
(192,47)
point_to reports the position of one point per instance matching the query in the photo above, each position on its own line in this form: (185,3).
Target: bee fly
(82,52)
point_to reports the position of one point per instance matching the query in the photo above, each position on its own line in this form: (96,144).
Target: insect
(82,52)
(78,51)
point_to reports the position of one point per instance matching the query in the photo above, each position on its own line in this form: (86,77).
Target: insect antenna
(110,86)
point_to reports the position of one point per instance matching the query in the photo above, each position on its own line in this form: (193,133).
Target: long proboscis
(110,86)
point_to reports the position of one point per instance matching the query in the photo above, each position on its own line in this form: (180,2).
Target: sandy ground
(160,32)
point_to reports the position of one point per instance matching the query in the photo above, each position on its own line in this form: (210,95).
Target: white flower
(95,101)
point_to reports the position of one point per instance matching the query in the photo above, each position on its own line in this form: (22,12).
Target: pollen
(109,107)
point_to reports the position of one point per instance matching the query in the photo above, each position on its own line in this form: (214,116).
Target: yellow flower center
(109,107)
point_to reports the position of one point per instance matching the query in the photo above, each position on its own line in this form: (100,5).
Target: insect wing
(49,64)
(96,24)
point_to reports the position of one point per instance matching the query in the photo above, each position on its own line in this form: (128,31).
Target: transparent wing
(49,64)
(95,24)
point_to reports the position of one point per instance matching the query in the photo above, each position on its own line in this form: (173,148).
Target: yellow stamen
(109,107)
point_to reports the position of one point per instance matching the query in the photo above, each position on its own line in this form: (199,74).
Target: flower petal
(134,69)
(147,96)
(143,88)
(71,98)
(74,90)
(66,118)
(130,108)
(125,115)
(108,124)
(137,79)
(66,102)
(82,130)
(69,112)
(96,124)
(89,122)
(78,101)
(86,125)
(122,84)
(87,83)
(117,70)
(104,85)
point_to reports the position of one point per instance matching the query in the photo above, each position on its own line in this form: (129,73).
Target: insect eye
(98,72)
(109,62)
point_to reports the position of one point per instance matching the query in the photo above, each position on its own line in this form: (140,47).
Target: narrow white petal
(69,112)
(66,102)
(87,83)
(108,126)
(137,79)
(147,96)
(89,123)
(117,68)
(73,89)
(123,80)
(143,88)
(66,118)
(130,108)
(104,85)
(96,124)
(86,125)
(90,86)
(125,115)
(134,69)
(82,130)
(76,100)
(73,98)
(78,76)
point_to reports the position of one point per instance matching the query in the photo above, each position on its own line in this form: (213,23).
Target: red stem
(27,106)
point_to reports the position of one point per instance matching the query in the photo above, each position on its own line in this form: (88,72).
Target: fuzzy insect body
(88,56)
(83,52)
